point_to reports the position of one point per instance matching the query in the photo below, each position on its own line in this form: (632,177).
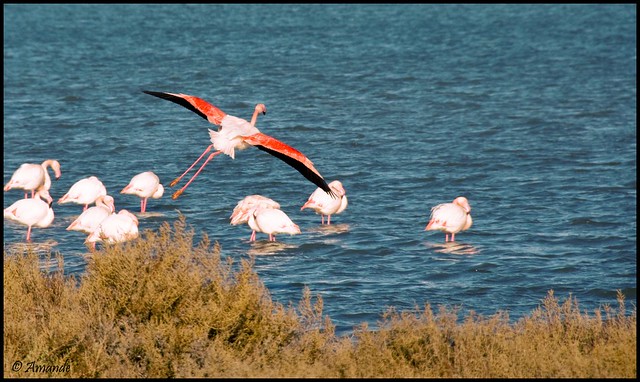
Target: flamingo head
(43,194)
(337,187)
(159,192)
(109,202)
(463,202)
(260,108)
(55,165)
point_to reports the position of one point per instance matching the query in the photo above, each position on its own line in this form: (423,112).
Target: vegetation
(161,307)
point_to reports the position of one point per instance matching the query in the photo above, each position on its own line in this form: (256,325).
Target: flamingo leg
(176,180)
(143,204)
(253,236)
(85,207)
(271,237)
(322,219)
(453,237)
(180,191)
(328,219)
(29,233)
(446,237)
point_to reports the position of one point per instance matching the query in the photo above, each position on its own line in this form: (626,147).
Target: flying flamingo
(32,176)
(245,208)
(146,185)
(237,133)
(115,228)
(271,221)
(90,219)
(324,204)
(451,218)
(32,212)
(85,191)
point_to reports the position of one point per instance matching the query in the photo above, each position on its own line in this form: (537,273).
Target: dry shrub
(557,340)
(161,307)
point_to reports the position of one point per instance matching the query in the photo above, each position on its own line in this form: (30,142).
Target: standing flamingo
(146,185)
(90,219)
(271,221)
(245,208)
(237,133)
(116,228)
(32,212)
(32,176)
(451,218)
(85,191)
(324,204)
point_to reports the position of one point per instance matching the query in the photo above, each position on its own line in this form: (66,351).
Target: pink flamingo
(236,133)
(116,228)
(90,219)
(146,185)
(245,208)
(451,218)
(85,191)
(271,221)
(32,176)
(32,212)
(324,204)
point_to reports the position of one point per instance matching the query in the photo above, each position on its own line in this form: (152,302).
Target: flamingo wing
(291,156)
(28,176)
(195,104)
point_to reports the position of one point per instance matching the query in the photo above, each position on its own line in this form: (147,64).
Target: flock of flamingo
(101,223)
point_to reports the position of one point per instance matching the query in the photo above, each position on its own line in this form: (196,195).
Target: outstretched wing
(291,156)
(195,104)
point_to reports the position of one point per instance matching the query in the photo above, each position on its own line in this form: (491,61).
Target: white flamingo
(245,207)
(271,221)
(32,176)
(116,228)
(32,212)
(145,185)
(324,204)
(451,218)
(85,191)
(90,219)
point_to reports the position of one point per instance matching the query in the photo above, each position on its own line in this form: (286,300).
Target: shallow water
(527,110)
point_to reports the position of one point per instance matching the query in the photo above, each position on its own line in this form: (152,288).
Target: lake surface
(527,110)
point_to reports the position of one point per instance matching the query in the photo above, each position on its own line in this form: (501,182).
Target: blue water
(527,110)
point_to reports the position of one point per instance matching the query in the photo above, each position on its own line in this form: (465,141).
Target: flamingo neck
(254,118)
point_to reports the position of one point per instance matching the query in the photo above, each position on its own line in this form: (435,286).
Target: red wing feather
(291,156)
(195,104)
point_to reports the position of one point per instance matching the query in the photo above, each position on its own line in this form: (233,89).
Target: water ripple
(543,146)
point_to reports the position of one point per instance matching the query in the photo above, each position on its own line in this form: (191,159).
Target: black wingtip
(325,187)
(154,93)
(312,176)
(178,100)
